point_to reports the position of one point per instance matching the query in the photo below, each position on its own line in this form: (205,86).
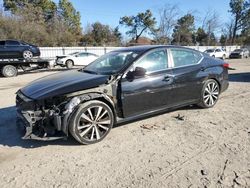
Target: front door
(151,91)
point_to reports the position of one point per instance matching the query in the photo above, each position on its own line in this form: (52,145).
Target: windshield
(238,50)
(209,51)
(111,63)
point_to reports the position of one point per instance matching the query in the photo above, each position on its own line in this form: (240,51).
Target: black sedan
(122,85)
(18,49)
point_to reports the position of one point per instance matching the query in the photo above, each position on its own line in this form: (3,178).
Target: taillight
(226,65)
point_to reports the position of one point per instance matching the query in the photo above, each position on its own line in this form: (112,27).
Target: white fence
(52,52)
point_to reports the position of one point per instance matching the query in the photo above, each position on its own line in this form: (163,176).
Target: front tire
(9,71)
(91,122)
(209,94)
(27,54)
(69,64)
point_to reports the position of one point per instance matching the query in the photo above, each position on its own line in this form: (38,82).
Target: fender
(74,103)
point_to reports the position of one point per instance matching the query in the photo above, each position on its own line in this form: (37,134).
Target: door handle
(203,68)
(168,78)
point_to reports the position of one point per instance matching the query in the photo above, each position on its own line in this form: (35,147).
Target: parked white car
(217,53)
(76,59)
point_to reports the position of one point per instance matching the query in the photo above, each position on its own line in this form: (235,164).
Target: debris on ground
(179,117)
(149,127)
(203,172)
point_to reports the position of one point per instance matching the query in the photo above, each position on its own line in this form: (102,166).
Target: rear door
(81,59)
(149,92)
(14,49)
(188,75)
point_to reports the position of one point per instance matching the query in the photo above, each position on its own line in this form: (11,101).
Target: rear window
(184,57)
(90,54)
(209,51)
(238,50)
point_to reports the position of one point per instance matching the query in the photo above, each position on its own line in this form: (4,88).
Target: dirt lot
(208,148)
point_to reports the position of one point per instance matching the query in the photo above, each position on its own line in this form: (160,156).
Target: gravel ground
(207,148)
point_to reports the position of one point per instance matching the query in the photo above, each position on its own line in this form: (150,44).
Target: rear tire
(209,94)
(9,71)
(91,122)
(69,64)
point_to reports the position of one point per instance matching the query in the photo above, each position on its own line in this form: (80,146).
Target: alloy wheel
(91,122)
(211,93)
(27,54)
(9,71)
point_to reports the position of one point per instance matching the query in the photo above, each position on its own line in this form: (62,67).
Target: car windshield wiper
(89,71)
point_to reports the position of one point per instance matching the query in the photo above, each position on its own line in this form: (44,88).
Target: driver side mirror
(138,72)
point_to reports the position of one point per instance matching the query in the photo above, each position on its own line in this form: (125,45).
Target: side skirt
(151,113)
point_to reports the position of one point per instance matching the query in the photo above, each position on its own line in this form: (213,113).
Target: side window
(154,61)
(82,54)
(184,57)
(12,43)
(217,50)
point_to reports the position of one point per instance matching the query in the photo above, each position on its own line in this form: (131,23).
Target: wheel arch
(88,97)
(70,60)
(216,79)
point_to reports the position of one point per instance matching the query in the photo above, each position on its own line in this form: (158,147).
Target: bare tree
(168,19)
(227,32)
(211,23)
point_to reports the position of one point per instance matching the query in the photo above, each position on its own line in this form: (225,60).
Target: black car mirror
(139,71)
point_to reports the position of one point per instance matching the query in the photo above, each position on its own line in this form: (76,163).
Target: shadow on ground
(10,135)
(240,77)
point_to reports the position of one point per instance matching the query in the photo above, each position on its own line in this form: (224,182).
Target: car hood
(62,83)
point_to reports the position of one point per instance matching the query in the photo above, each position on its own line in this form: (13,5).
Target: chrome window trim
(202,57)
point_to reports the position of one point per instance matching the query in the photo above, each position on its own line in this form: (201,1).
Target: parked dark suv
(17,49)
(240,53)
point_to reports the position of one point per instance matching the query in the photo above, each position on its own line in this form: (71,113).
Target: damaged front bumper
(35,128)
(43,123)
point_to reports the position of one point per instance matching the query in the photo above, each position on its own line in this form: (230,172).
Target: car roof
(145,48)
(11,40)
